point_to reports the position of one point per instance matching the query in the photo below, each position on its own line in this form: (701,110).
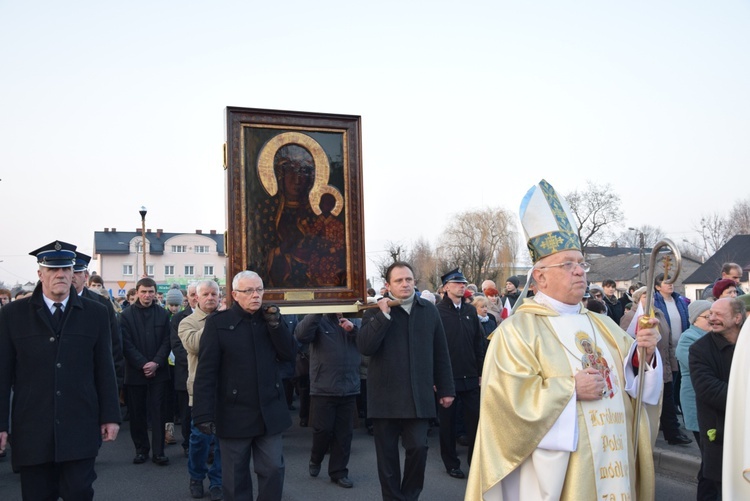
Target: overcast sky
(107,106)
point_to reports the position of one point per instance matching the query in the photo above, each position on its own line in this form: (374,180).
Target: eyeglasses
(704,317)
(569,266)
(251,291)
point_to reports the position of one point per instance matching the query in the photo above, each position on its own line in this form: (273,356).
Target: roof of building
(609,251)
(118,242)
(737,250)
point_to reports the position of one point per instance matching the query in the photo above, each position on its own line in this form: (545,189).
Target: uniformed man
(55,351)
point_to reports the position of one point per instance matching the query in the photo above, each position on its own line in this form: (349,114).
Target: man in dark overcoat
(181,365)
(80,277)
(55,352)
(710,360)
(145,344)
(465,338)
(408,358)
(237,393)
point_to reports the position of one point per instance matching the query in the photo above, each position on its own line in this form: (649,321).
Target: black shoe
(303,423)
(343,482)
(140,458)
(314,469)
(462,440)
(185,452)
(160,460)
(371,431)
(217,493)
(196,488)
(679,439)
(456,473)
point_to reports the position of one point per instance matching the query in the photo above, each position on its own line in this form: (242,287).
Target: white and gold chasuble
(605,419)
(535,440)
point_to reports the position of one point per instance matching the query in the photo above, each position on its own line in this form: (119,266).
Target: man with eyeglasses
(559,383)
(698,312)
(237,393)
(732,271)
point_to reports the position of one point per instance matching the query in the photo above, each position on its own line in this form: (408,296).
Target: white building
(170,257)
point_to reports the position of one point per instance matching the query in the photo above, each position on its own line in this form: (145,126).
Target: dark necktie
(57,316)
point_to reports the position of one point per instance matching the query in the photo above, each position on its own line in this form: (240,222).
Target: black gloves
(271,315)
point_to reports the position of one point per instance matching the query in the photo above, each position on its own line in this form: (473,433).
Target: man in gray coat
(409,364)
(334,386)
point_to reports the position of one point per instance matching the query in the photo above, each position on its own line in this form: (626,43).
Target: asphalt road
(119,479)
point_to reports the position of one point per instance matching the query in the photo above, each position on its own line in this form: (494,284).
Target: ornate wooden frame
(255,204)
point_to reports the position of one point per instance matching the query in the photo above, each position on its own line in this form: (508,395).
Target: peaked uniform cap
(454,275)
(82,262)
(55,254)
(547,222)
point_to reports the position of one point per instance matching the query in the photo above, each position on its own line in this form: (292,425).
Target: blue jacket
(687,392)
(682,307)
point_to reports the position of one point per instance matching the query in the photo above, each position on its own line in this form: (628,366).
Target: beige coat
(190,332)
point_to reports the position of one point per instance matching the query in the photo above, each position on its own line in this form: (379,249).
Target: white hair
(245,274)
(206,283)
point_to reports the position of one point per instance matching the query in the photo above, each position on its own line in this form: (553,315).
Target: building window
(169,269)
(208,270)
(150,270)
(139,247)
(179,249)
(202,249)
(127,269)
(189,270)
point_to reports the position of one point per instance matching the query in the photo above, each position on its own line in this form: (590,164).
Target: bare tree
(596,210)
(714,231)
(632,237)
(426,265)
(482,242)
(395,251)
(739,218)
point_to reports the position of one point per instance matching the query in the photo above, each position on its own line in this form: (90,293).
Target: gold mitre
(547,222)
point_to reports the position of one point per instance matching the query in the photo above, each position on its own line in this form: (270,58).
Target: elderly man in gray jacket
(409,367)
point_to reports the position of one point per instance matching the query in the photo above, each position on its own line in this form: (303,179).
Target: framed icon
(294,204)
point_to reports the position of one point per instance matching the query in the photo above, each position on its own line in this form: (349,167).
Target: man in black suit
(238,387)
(145,344)
(710,362)
(55,352)
(80,278)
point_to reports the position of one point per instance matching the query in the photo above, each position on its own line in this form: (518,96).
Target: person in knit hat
(511,291)
(698,312)
(174,299)
(560,381)
(725,287)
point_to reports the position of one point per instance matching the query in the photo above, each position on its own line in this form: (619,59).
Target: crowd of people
(538,382)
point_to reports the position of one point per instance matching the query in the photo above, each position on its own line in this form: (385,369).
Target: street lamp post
(142,212)
(640,253)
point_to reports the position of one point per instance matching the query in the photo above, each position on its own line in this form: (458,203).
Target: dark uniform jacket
(465,342)
(114,329)
(408,355)
(145,338)
(64,386)
(710,362)
(334,359)
(180,355)
(238,385)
